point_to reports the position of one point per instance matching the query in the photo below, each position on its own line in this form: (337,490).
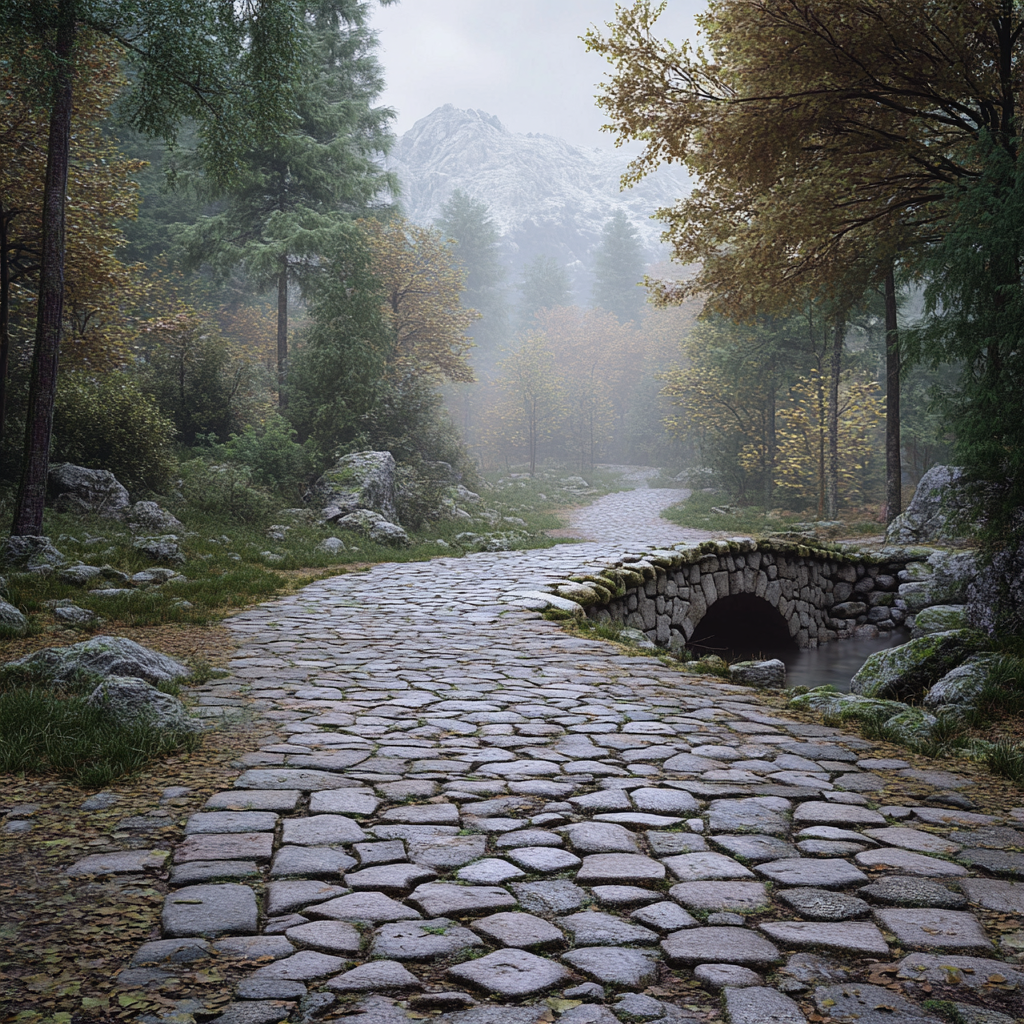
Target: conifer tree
(544,285)
(619,264)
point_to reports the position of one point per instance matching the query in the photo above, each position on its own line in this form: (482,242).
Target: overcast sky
(519,59)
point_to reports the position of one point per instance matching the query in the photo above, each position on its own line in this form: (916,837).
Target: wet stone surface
(465,810)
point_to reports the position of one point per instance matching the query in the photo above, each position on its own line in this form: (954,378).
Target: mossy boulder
(362,480)
(909,726)
(940,618)
(961,685)
(845,707)
(106,656)
(907,671)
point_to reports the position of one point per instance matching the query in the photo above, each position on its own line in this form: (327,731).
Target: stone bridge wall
(822,594)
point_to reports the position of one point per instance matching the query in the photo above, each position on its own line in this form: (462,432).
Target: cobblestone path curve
(467,813)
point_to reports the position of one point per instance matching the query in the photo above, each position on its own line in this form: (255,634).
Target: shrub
(273,456)
(105,421)
(224,490)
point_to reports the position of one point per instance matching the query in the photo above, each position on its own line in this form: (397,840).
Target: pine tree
(466,221)
(619,264)
(544,285)
(295,193)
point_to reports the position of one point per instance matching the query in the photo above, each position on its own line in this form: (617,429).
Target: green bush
(224,490)
(105,421)
(273,456)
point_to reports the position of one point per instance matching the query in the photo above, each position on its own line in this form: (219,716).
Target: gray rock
(11,620)
(198,871)
(283,897)
(77,489)
(364,907)
(822,905)
(623,895)
(718,945)
(1003,897)
(148,515)
(848,937)
(394,879)
(378,976)
(614,965)
(543,859)
(362,480)
(106,656)
(230,821)
(758,1005)
(443,899)
(592,928)
(909,863)
(421,941)
(634,1006)
(810,969)
(310,862)
(163,548)
(933,929)
(666,844)
(590,1013)
(867,1004)
(743,897)
(664,917)
(445,852)
(907,671)
(588,990)
(253,948)
(254,800)
(664,801)
(270,988)
(697,867)
(822,874)
(170,951)
(814,812)
(490,871)
(961,685)
(258,1012)
(555,897)
(939,618)
(423,814)
(79,575)
(321,830)
(125,862)
(72,615)
(344,801)
(521,931)
(763,815)
(755,849)
(926,519)
(912,839)
(331,546)
(613,868)
(903,891)
(514,973)
(759,673)
(335,937)
(720,976)
(234,846)
(600,837)
(965,1013)
(209,911)
(998,862)
(126,700)
(970,971)
(33,554)
(528,837)
(374,527)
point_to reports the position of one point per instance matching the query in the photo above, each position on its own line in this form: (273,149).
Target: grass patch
(47,727)
(698,512)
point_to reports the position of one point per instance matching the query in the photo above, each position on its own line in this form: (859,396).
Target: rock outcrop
(927,518)
(77,489)
(360,481)
(106,656)
(32,554)
(135,702)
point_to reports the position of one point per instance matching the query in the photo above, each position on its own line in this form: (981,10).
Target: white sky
(519,59)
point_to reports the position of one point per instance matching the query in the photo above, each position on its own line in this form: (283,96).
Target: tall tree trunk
(832,482)
(282,338)
(893,448)
(5,316)
(771,445)
(28,509)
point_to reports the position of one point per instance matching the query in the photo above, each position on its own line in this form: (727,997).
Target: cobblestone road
(466,811)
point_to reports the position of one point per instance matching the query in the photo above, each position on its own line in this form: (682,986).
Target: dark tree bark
(282,338)
(832,482)
(28,509)
(5,316)
(893,448)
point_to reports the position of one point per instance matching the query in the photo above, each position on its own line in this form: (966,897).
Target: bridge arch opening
(741,624)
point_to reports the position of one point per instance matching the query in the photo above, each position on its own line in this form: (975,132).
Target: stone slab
(290,779)
(821,874)
(614,965)
(698,867)
(822,905)
(321,830)
(209,911)
(858,937)
(310,862)
(664,917)
(593,928)
(558,896)
(390,878)
(230,821)
(344,801)
(518,930)
(443,899)
(815,812)
(378,976)
(123,862)
(257,846)
(933,929)
(337,937)
(284,897)
(759,1005)
(364,907)
(513,973)
(993,894)
(613,868)
(972,972)
(910,863)
(422,941)
(719,945)
(742,897)
(283,800)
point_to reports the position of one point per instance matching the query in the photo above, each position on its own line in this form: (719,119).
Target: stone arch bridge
(776,592)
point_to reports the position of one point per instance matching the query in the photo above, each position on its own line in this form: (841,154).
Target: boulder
(961,685)
(107,656)
(940,618)
(373,526)
(910,725)
(926,519)
(34,554)
(759,673)
(362,480)
(134,701)
(331,546)
(78,575)
(11,620)
(995,593)
(161,549)
(845,706)
(906,671)
(72,615)
(952,572)
(148,515)
(77,489)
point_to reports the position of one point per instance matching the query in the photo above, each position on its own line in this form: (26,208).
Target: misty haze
(511,513)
